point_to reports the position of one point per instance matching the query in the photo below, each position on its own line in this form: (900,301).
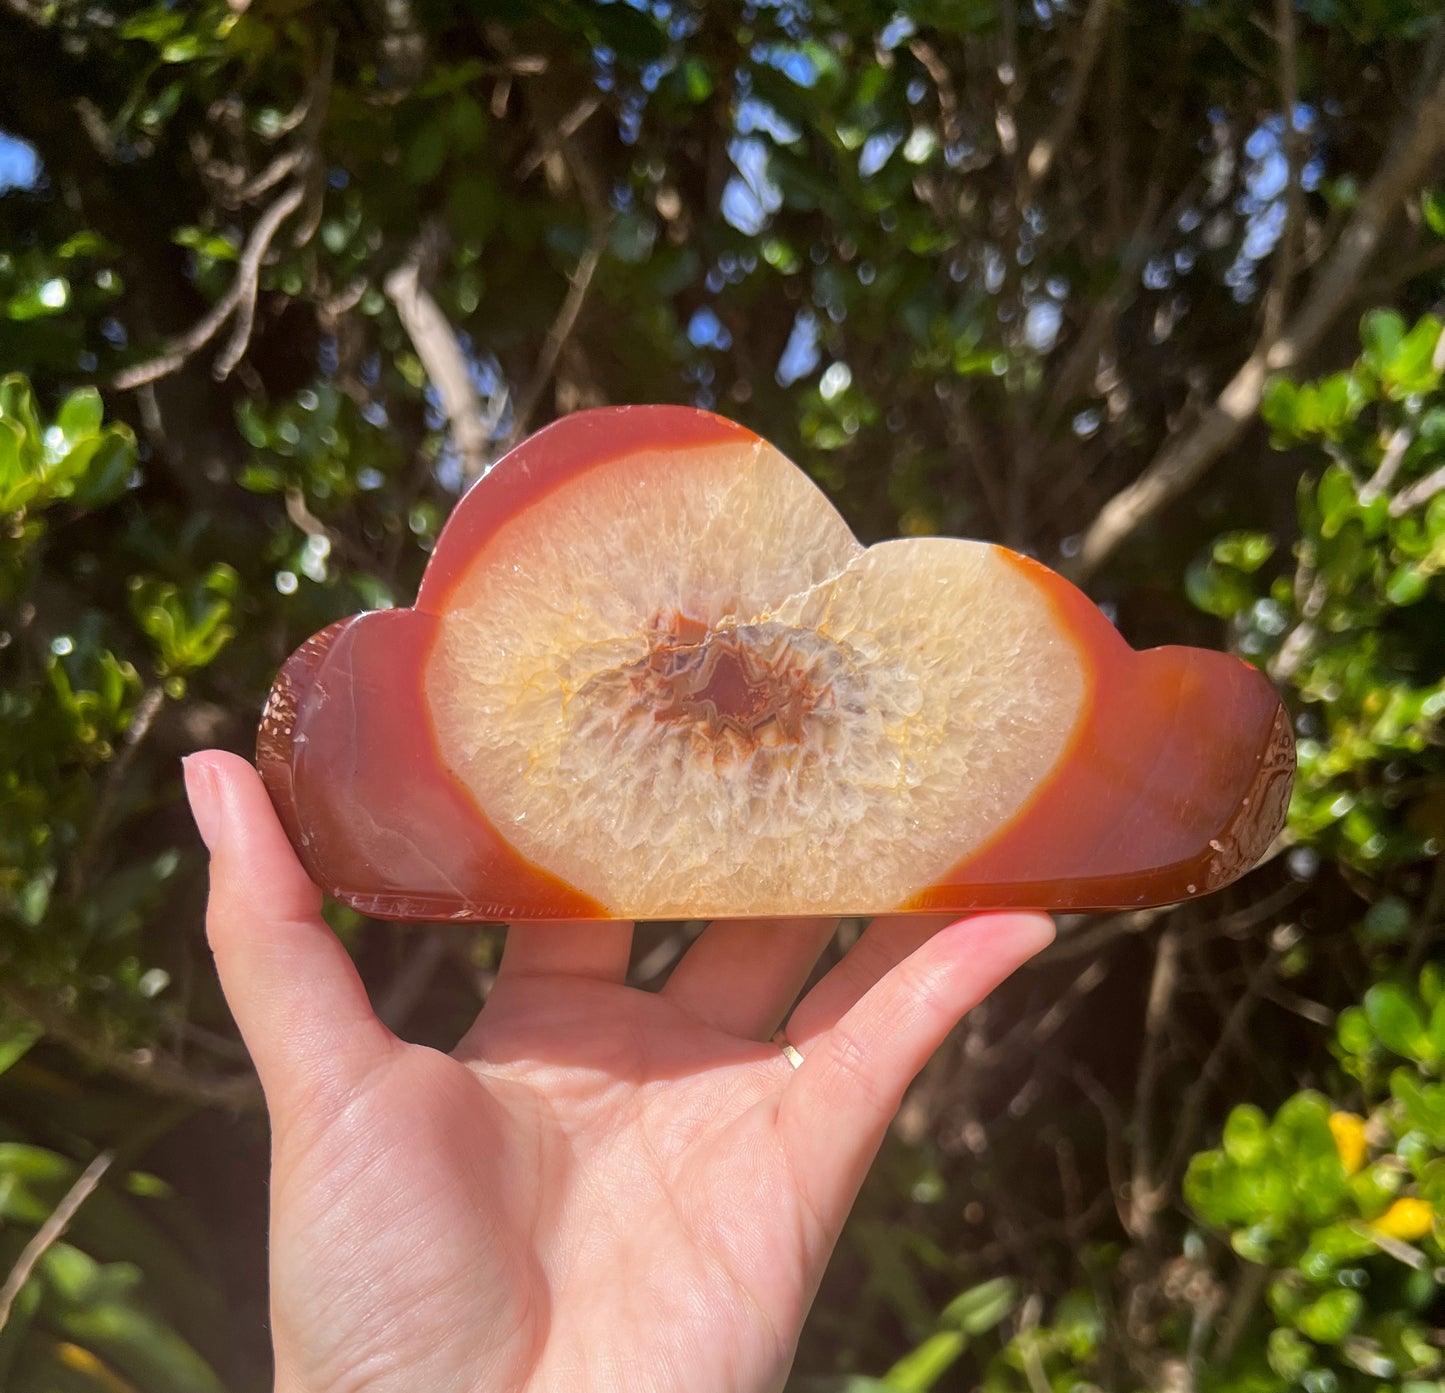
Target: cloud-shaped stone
(651,673)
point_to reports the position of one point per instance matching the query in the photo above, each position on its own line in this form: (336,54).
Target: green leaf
(1333,1246)
(921,1368)
(16,1039)
(980,1308)
(86,243)
(1307,1154)
(1409,369)
(1336,402)
(468,124)
(1289,1355)
(1337,499)
(1246,1135)
(1381,332)
(1432,205)
(1408,584)
(1218,590)
(109,469)
(17,404)
(695,78)
(1422,1105)
(80,415)
(1397,1021)
(1280,407)
(19,482)
(154,25)
(427,152)
(1245,551)
(1329,1319)
(1436,1029)
(99,1310)
(39,299)
(1353,1033)
(206,244)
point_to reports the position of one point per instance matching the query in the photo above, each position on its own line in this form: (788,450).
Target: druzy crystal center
(756,683)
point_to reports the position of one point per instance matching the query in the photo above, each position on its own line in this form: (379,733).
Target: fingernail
(205,798)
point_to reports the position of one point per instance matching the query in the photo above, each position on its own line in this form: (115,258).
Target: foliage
(1341,1206)
(85,1320)
(1334,1207)
(74,701)
(980,268)
(1349,627)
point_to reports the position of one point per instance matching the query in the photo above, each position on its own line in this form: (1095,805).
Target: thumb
(291,985)
(838,1106)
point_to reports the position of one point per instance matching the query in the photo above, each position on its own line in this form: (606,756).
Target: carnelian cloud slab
(652,674)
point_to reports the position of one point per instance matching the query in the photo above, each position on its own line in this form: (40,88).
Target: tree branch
(1191,1108)
(1421,491)
(1390,461)
(239,299)
(1047,147)
(1276,302)
(1145,1190)
(147,1069)
(50,1231)
(146,711)
(560,332)
(441,355)
(1183,460)
(239,302)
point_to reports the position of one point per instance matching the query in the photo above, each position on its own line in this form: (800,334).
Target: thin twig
(1421,491)
(1046,148)
(1032,1033)
(1192,1107)
(242,291)
(942,80)
(1184,458)
(146,711)
(440,351)
(1029,1346)
(1145,1191)
(1087,942)
(146,1068)
(1300,639)
(285,164)
(1394,454)
(559,333)
(403,995)
(1246,1297)
(238,304)
(1113,1122)
(1396,1248)
(557,138)
(50,1231)
(1286,260)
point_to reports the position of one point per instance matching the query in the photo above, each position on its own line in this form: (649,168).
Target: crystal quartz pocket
(652,674)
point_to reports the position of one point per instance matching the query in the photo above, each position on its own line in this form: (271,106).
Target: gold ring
(789,1053)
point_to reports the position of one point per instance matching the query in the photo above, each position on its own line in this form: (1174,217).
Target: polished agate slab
(651,674)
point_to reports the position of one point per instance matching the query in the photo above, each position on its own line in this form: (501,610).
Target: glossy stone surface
(651,674)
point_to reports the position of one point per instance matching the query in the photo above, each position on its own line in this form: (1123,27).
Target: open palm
(600,1188)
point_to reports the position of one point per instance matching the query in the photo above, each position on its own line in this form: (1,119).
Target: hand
(600,1188)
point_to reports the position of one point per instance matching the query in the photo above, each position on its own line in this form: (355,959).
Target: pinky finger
(836,1110)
